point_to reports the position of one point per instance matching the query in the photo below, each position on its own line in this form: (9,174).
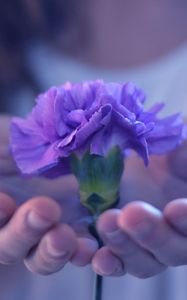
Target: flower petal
(30,151)
(132,98)
(166,135)
(96,122)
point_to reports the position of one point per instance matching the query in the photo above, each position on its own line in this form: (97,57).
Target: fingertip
(86,248)
(176,214)
(176,207)
(107,222)
(105,263)
(135,213)
(62,237)
(44,206)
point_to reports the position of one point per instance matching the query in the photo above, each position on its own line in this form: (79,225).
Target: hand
(43,231)
(157,184)
(143,238)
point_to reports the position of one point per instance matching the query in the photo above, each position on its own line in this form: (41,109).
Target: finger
(86,248)
(147,226)
(7,208)
(86,243)
(176,215)
(53,252)
(105,263)
(137,260)
(26,228)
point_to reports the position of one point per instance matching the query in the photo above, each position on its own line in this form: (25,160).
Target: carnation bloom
(90,117)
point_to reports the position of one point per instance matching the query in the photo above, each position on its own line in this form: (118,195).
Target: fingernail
(36,221)
(56,252)
(116,237)
(108,270)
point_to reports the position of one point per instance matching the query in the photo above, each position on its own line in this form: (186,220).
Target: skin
(40,229)
(145,237)
(141,238)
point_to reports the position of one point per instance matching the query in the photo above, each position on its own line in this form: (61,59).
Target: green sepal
(99,179)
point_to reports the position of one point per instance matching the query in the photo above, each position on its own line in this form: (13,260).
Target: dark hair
(22,21)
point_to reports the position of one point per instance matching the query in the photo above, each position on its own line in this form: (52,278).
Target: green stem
(98,285)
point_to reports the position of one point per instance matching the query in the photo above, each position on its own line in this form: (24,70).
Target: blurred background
(24,23)
(45,42)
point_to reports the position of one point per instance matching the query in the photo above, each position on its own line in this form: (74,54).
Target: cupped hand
(47,231)
(145,237)
(142,238)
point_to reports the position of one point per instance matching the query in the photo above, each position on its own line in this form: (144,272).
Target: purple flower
(91,116)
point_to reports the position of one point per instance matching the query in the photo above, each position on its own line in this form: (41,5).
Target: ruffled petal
(90,116)
(99,120)
(30,151)
(166,135)
(132,98)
